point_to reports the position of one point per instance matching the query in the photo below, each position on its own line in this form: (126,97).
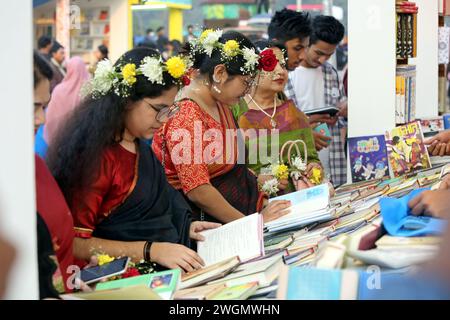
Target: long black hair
(97,123)
(206,64)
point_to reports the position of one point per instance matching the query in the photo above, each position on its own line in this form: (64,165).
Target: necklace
(273,123)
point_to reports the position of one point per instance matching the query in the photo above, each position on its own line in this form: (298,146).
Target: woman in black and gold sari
(117,191)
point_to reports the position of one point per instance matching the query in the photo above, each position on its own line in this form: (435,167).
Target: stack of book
(406,29)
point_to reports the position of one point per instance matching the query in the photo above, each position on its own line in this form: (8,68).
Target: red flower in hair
(186,80)
(267,60)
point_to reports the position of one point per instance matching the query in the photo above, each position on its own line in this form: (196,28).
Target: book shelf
(94,31)
(373,62)
(372,28)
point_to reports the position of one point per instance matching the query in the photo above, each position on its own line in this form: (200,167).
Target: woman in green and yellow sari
(266,107)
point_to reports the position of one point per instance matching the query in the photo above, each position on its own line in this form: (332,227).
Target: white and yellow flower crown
(121,79)
(209,40)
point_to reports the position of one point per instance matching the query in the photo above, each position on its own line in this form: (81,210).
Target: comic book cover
(406,150)
(368,158)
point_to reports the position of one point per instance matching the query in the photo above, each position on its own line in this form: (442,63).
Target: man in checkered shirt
(315,84)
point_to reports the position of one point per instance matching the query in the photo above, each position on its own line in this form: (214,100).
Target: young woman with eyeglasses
(199,156)
(120,199)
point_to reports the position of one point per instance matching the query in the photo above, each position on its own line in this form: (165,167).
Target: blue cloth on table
(396,286)
(398,221)
(40,146)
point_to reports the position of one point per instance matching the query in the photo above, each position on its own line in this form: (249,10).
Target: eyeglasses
(164,114)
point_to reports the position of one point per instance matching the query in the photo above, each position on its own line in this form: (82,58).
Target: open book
(308,206)
(242,238)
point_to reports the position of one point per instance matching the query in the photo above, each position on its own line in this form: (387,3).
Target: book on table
(209,273)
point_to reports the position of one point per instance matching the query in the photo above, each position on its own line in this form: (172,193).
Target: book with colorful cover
(368,158)
(163,283)
(297,283)
(406,150)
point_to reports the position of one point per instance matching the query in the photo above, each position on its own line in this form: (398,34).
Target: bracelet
(147,248)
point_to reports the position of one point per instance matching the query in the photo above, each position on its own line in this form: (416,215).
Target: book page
(311,200)
(242,237)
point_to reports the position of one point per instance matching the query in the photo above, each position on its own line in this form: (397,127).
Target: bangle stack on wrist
(147,247)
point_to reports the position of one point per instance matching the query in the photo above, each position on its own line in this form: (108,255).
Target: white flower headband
(106,77)
(209,40)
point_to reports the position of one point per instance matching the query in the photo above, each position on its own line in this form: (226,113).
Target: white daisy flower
(103,77)
(270,187)
(251,59)
(210,41)
(151,68)
(299,164)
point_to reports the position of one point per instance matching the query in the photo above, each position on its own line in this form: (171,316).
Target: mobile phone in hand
(97,273)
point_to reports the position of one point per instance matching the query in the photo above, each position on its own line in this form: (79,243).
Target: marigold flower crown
(121,78)
(209,40)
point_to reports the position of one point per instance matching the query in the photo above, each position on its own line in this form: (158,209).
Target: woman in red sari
(196,146)
(120,199)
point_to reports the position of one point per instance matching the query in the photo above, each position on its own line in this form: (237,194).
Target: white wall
(427,91)
(372,63)
(17,194)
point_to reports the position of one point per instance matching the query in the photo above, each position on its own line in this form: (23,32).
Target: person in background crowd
(65,97)
(101,53)
(172,49)
(54,221)
(316,85)
(190,34)
(44,46)
(58,55)
(162,40)
(261,4)
(151,36)
(292,30)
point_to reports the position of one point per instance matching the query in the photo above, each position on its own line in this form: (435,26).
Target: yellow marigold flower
(231,48)
(316,176)
(129,73)
(176,67)
(103,259)
(281,171)
(205,34)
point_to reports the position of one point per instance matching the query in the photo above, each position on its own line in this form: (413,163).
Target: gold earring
(214,87)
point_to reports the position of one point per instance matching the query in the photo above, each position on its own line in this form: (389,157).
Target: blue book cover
(446,121)
(368,158)
(313,284)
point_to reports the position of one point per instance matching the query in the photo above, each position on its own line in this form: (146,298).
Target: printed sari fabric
(195,149)
(291,124)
